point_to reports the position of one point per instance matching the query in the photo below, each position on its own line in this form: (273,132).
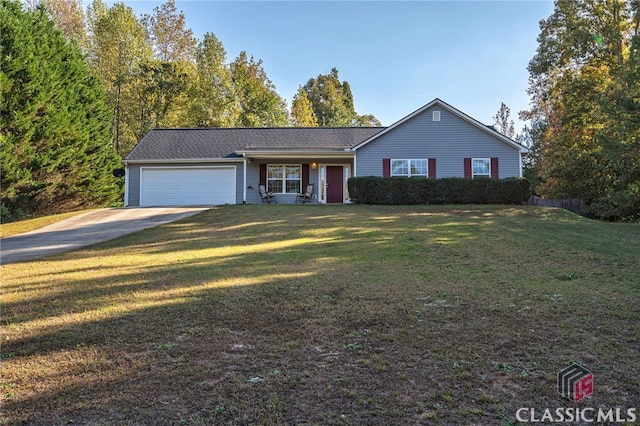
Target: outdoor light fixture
(314,165)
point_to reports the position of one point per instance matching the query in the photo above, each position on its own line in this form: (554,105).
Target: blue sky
(397,56)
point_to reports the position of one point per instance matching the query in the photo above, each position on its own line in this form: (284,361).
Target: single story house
(172,167)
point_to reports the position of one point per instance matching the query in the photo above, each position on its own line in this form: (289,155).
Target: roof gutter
(288,154)
(184,160)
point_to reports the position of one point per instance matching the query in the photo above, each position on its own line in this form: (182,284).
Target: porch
(287,174)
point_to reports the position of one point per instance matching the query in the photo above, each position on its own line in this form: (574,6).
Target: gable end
(491,131)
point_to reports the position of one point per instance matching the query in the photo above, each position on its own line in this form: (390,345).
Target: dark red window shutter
(305,177)
(263,174)
(494,168)
(467,168)
(386,167)
(432,168)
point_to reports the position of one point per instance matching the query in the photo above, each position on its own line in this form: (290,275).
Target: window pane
(418,167)
(274,185)
(274,171)
(293,187)
(481,167)
(284,178)
(293,172)
(399,168)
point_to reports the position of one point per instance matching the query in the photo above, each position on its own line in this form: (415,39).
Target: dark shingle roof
(173,144)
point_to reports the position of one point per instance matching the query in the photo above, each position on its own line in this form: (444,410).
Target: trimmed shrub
(402,190)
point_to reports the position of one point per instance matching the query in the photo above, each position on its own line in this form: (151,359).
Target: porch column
(244,180)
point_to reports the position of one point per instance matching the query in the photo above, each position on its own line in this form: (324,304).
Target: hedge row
(402,190)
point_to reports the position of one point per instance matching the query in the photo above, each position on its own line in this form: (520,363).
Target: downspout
(244,179)
(520,163)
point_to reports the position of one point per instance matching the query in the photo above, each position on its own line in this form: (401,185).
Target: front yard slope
(325,315)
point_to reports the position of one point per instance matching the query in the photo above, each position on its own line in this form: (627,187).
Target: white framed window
(409,168)
(481,167)
(284,178)
(436,115)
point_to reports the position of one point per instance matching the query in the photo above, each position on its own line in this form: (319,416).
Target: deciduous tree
(158,87)
(260,104)
(584,87)
(212,98)
(332,102)
(118,48)
(69,18)
(172,41)
(301,111)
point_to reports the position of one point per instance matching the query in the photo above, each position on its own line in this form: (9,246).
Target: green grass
(325,315)
(15,228)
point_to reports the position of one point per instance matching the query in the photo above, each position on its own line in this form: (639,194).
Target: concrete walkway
(87,229)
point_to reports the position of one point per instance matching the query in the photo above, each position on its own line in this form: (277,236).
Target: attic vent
(436,115)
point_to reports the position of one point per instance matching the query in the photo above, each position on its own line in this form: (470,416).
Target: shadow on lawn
(319,318)
(203,250)
(196,357)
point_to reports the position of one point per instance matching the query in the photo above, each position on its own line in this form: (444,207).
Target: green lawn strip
(325,315)
(20,227)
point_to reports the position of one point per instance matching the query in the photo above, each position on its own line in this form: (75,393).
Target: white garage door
(187,186)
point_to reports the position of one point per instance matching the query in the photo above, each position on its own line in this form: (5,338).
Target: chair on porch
(305,196)
(267,197)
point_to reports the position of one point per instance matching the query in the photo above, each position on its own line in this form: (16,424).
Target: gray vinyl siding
(133,178)
(239,180)
(133,185)
(449,141)
(253,179)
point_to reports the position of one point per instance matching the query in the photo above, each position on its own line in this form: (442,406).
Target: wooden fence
(575,205)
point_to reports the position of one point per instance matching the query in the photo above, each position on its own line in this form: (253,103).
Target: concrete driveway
(87,229)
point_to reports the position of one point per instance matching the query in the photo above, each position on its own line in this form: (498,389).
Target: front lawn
(352,314)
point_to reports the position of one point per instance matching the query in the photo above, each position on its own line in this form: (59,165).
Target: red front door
(335,184)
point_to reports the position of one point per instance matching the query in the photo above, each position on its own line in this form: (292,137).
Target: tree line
(584,85)
(157,74)
(81,88)
(78,90)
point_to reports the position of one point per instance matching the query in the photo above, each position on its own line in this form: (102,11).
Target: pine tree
(502,121)
(54,123)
